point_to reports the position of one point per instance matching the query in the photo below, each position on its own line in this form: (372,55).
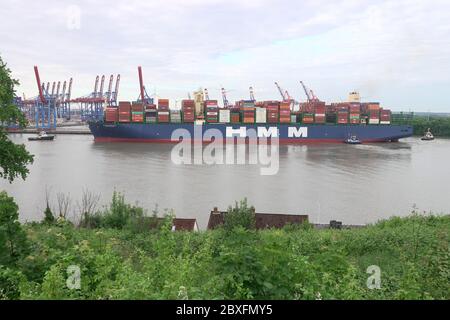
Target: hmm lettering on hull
(263,132)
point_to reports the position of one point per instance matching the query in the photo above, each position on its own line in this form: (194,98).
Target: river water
(354,184)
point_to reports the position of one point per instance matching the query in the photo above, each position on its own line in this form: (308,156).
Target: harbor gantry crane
(252,95)
(47,105)
(224,98)
(92,105)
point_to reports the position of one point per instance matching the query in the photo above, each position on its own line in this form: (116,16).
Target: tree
(13,158)
(13,240)
(241,215)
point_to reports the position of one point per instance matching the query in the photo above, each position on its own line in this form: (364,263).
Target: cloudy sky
(394,51)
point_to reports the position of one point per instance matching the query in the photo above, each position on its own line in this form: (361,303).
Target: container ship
(314,121)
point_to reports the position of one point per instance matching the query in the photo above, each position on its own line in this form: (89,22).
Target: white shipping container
(385,122)
(374,121)
(261,115)
(224,116)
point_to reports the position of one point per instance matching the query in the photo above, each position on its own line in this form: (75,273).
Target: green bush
(241,215)
(127,261)
(13,241)
(49,218)
(440,126)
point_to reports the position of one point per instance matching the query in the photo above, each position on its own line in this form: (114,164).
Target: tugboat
(428,136)
(42,136)
(353,140)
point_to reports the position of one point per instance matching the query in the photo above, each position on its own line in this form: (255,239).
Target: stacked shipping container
(260,115)
(308,118)
(151,114)
(273,112)
(319,113)
(188,109)
(235,115)
(111,114)
(175,116)
(163,111)
(248,111)
(137,112)
(385,116)
(285,112)
(224,115)
(212,111)
(124,111)
(355,113)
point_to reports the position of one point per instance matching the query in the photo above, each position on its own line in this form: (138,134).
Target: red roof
(263,220)
(185,224)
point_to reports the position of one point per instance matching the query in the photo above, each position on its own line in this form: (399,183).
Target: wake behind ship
(313,122)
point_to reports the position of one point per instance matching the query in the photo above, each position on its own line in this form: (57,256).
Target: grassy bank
(126,261)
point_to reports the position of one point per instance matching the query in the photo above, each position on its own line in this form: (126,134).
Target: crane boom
(306,91)
(281,91)
(69,91)
(96,86)
(57,89)
(38,80)
(63,94)
(108,93)
(53,87)
(288,97)
(116,91)
(141,83)
(102,83)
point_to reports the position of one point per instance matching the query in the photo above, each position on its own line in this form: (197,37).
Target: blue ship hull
(287,133)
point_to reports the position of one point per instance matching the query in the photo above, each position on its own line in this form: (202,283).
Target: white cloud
(385,48)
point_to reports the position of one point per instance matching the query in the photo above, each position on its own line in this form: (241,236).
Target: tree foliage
(241,215)
(439,126)
(13,241)
(13,158)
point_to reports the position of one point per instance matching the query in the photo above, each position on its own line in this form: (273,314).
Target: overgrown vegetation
(123,256)
(241,215)
(440,126)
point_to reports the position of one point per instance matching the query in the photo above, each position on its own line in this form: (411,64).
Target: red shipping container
(137,107)
(124,104)
(111,115)
(137,118)
(124,117)
(319,118)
